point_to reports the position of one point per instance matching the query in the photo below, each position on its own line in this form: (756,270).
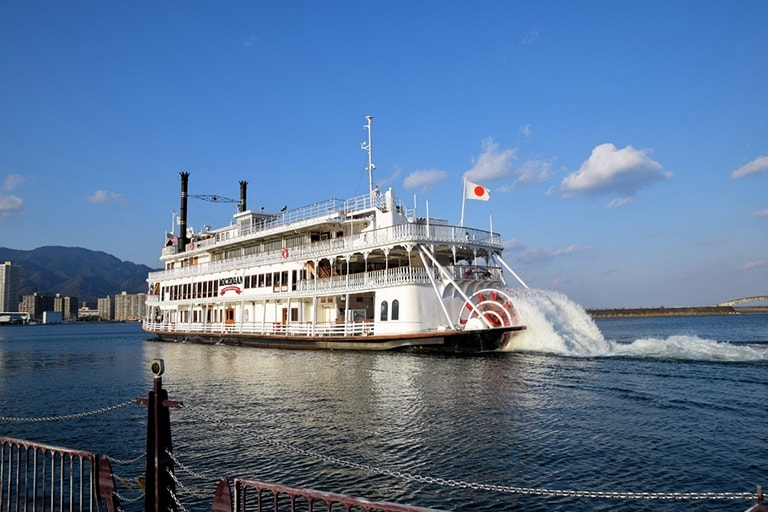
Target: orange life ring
(191,246)
(284,252)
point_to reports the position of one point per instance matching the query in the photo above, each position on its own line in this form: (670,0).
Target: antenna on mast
(366,146)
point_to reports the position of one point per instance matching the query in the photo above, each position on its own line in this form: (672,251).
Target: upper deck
(250,225)
(358,225)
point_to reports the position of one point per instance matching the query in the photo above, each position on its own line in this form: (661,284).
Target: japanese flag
(475,191)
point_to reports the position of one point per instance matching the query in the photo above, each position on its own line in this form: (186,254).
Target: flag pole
(490,221)
(463,200)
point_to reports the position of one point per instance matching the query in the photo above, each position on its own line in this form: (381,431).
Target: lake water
(657,405)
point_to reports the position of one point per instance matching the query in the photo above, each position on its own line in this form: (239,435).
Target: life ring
(191,246)
(284,252)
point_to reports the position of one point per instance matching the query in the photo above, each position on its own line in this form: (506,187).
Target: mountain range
(75,272)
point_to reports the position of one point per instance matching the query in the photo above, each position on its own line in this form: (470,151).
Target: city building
(86,314)
(129,307)
(9,287)
(106,308)
(67,306)
(36,304)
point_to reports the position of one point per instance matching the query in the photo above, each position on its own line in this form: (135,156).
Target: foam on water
(557,325)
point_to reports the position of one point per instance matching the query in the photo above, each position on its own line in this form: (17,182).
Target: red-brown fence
(36,477)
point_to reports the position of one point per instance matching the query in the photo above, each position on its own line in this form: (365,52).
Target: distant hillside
(75,272)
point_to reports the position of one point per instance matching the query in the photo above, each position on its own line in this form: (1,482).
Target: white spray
(557,325)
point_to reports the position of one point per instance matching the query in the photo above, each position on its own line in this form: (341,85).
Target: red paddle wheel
(488,308)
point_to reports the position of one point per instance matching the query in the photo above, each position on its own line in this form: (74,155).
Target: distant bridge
(759,298)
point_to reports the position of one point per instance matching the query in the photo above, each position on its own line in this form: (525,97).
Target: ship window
(395,309)
(384,308)
(274,245)
(268,280)
(294,314)
(295,241)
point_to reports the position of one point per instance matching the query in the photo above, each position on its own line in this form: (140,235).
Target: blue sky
(625,144)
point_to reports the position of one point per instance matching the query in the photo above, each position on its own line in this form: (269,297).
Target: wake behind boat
(360,274)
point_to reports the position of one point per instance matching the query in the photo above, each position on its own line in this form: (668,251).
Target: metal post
(159,483)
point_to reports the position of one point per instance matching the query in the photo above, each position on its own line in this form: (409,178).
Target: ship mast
(366,146)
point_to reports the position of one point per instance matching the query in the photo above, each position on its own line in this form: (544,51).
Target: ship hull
(476,341)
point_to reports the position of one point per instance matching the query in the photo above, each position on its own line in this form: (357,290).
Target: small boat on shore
(364,273)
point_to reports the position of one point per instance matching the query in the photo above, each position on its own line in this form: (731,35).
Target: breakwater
(662,311)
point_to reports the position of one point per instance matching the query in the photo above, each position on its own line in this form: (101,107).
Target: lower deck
(454,341)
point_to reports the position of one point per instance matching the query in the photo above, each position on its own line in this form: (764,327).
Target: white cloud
(609,170)
(752,264)
(250,41)
(513,245)
(424,179)
(492,163)
(391,178)
(760,213)
(530,37)
(12,181)
(759,164)
(106,197)
(526,131)
(537,254)
(533,171)
(9,205)
(619,202)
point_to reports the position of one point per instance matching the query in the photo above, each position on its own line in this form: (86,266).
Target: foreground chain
(622,495)
(67,416)
(532,491)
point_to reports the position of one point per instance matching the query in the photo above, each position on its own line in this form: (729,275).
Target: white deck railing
(349,283)
(393,235)
(220,329)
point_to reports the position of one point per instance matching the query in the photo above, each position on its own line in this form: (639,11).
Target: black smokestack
(183,240)
(241,205)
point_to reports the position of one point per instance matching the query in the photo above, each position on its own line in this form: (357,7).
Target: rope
(532,491)
(67,416)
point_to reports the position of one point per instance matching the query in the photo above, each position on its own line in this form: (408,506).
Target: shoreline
(673,311)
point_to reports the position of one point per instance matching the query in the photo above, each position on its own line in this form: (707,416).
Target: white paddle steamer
(361,274)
